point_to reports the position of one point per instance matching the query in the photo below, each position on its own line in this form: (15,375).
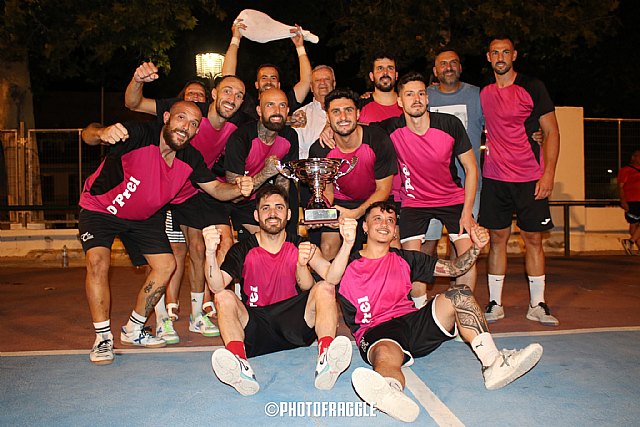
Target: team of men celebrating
(206,167)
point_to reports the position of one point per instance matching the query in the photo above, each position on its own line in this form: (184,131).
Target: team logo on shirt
(253,296)
(407,181)
(121,199)
(365,309)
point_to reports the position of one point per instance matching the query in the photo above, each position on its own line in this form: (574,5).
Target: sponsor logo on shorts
(86,236)
(121,199)
(364,345)
(546,221)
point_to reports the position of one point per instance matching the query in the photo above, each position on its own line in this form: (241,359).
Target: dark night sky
(604,79)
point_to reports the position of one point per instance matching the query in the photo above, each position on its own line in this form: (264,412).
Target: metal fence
(45,168)
(43,171)
(608,144)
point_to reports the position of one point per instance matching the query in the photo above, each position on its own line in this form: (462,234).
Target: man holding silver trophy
(368,181)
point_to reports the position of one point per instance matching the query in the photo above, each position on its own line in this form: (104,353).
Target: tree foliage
(419,28)
(75,37)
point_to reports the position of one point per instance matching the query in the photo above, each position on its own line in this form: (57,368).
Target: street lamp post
(209,65)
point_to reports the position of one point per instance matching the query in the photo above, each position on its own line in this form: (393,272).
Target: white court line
(434,406)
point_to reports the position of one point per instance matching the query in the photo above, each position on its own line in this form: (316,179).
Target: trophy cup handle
(352,164)
(283,169)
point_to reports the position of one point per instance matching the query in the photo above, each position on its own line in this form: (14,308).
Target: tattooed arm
(462,264)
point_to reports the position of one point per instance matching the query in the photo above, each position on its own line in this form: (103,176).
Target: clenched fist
(211,237)
(348,227)
(245,184)
(114,133)
(146,73)
(479,235)
(306,250)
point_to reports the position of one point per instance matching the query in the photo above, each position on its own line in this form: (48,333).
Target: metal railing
(608,144)
(566,205)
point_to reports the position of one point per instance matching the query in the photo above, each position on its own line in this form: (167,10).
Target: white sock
(197,298)
(420,301)
(209,304)
(484,347)
(495,281)
(103,329)
(394,383)
(136,322)
(536,289)
(161,310)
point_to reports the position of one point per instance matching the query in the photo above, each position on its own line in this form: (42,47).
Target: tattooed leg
(162,266)
(469,316)
(152,299)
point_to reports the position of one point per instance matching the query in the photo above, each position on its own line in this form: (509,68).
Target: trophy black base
(313,216)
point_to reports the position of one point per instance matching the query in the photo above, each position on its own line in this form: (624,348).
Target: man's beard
(169,136)
(503,71)
(224,113)
(272,228)
(384,87)
(449,80)
(418,113)
(345,132)
(274,126)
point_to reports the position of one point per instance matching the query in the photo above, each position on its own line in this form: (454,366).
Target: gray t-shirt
(465,105)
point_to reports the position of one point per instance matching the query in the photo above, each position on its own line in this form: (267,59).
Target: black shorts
(242,213)
(500,199)
(633,216)
(418,333)
(144,237)
(201,211)
(175,236)
(278,327)
(414,222)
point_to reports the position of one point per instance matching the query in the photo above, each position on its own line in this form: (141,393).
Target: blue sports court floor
(589,374)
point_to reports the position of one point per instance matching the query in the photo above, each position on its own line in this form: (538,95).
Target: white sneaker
(511,365)
(493,312)
(541,313)
(102,351)
(140,338)
(333,362)
(374,389)
(165,330)
(203,325)
(234,371)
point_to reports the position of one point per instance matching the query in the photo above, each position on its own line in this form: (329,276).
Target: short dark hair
(384,206)
(340,93)
(411,76)
(267,65)
(443,50)
(196,82)
(383,55)
(501,37)
(269,190)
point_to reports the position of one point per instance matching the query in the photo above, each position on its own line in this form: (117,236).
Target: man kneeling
(390,331)
(282,307)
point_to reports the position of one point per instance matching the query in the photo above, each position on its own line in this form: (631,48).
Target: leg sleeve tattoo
(468,313)
(152,299)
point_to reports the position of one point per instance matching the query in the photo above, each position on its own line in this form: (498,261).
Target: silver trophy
(317,172)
